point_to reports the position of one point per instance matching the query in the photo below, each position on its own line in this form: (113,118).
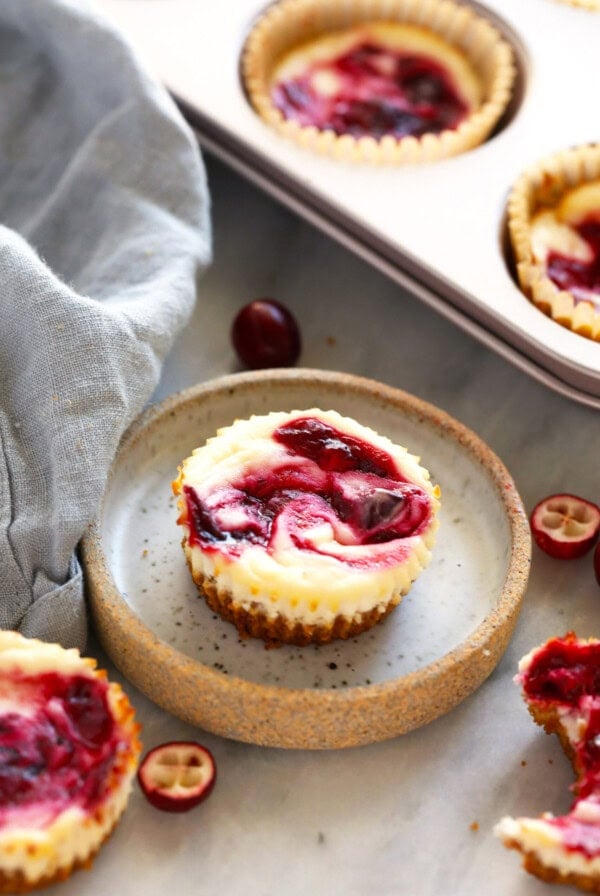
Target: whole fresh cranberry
(264,333)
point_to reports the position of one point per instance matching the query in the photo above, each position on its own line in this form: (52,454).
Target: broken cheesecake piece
(561,684)
(389,82)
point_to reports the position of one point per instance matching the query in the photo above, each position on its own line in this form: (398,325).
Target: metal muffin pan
(438,229)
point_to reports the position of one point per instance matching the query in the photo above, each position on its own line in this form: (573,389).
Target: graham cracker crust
(277,630)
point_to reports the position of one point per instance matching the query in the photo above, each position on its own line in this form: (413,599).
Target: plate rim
(310,718)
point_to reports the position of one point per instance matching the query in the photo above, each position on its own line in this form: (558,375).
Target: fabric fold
(105,213)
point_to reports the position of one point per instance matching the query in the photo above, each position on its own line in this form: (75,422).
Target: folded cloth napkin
(105,225)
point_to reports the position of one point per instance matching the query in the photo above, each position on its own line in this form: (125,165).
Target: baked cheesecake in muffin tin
(305,526)
(560,682)
(69,749)
(389,82)
(554,225)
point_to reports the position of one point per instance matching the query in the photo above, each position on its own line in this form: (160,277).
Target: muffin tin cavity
(379,81)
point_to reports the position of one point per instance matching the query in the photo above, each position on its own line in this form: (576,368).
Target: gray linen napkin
(104,212)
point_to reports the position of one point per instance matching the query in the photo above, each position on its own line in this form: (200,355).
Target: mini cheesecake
(69,748)
(560,682)
(554,225)
(304,527)
(383,83)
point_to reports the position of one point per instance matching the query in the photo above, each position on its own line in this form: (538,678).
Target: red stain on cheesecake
(565,673)
(328,478)
(58,751)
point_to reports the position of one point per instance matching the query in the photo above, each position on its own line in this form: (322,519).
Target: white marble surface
(414,815)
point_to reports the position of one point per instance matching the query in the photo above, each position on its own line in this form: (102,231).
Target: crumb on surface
(474,826)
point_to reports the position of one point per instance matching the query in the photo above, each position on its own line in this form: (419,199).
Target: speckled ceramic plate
(440,644)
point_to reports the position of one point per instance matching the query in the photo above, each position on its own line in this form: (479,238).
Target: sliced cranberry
(265,334)
(176,776)
(565,525)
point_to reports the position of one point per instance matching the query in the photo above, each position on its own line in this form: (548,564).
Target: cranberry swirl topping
(325,481)
(380,91)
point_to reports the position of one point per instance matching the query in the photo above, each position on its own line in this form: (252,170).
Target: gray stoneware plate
(440,644)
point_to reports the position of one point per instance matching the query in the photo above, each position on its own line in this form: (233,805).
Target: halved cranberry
(176,776)
(565,525)
(265,334)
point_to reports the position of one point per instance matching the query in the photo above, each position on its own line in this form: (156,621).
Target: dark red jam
(580,278)
(381,91)
(58,751)
(564,671)
(578,836)
(324,477)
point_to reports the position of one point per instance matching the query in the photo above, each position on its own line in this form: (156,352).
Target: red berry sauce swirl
(58,751)
(323,477)
(580,278)
(381,91)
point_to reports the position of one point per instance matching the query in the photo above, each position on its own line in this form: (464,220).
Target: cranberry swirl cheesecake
(69,749)
(304,527)
(560,682)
